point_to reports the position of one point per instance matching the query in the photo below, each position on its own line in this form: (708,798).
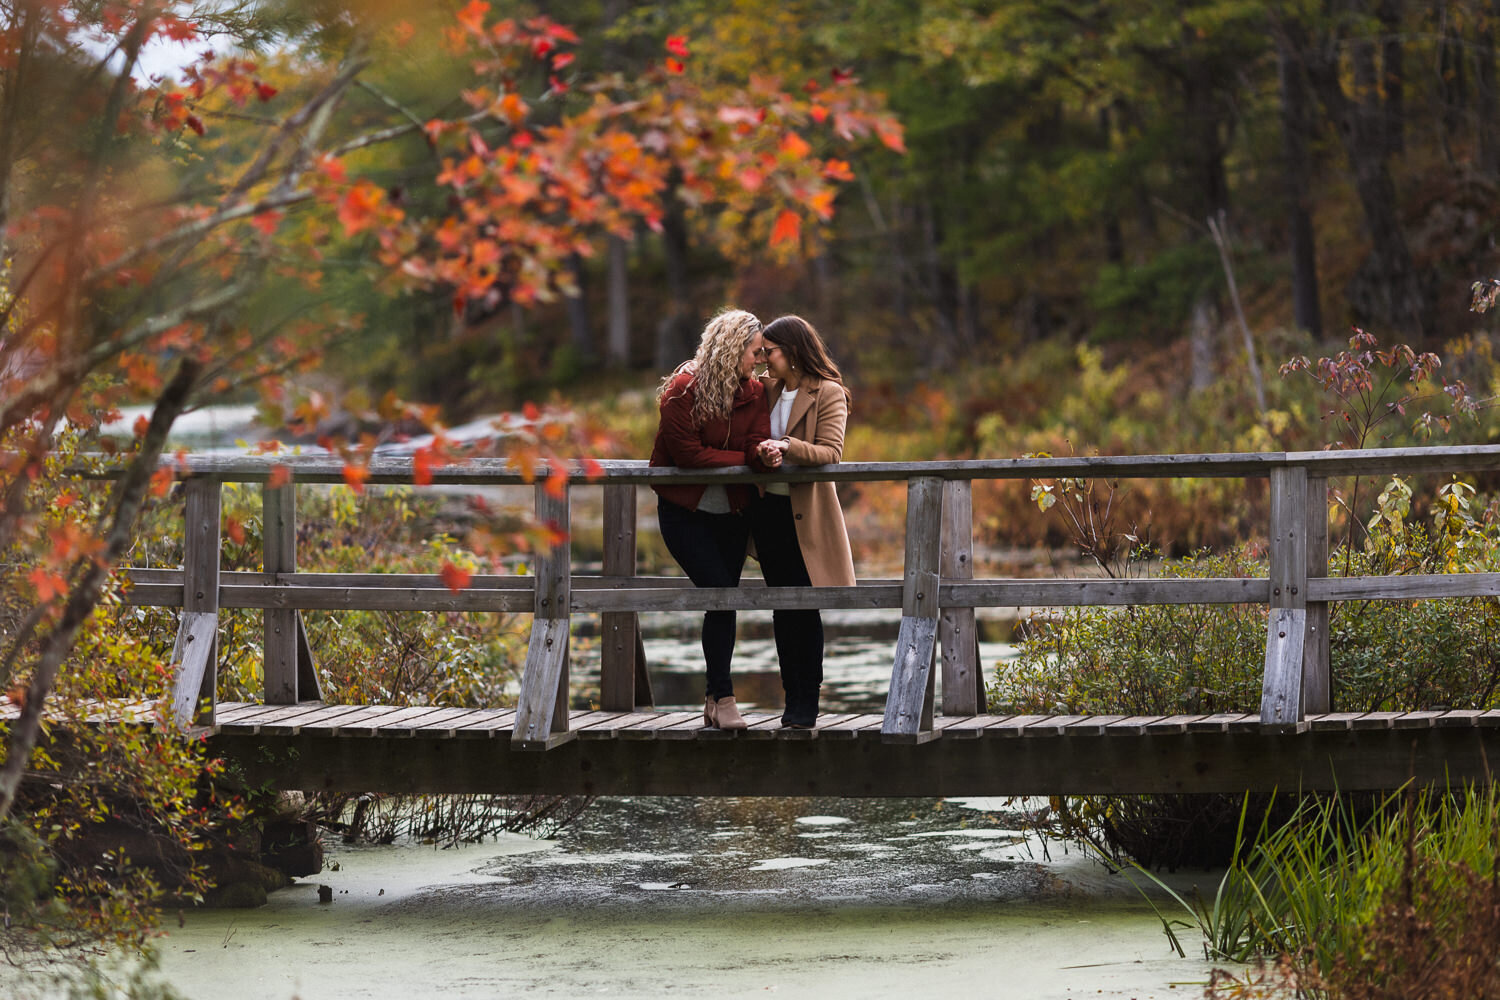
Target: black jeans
(799,634)
(710,548)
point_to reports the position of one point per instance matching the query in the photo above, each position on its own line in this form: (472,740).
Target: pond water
(699,897)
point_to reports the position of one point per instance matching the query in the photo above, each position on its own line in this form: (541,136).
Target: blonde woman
(798,529)
(713,414)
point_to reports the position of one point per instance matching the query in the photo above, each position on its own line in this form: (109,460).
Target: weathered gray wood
(279,539)
(906,708)
(494,724)
(644,698)
(618,629)
(542,708)
(192,658)
(924,521)
(1317,681)
(539,723)
(907,699)
(1286,628)
(1281,690)
(963,680)
(1219,722)
(195,680)
(1404,588)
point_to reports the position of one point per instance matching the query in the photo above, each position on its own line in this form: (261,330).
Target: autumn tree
(152,225)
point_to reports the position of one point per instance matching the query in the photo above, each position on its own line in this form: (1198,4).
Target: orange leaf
(673,65)
(280,476)
(557,482)
(788,228)
(234,529)
(455,578)
(891,134)
(267,222)
(47,583)
(472,16)
(357,207)
(592,469)
(529,411)
(421,467)
(161,481)
(795,146)
(355,476)
(677,45)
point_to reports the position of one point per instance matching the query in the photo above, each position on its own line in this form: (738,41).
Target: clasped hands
(771,452)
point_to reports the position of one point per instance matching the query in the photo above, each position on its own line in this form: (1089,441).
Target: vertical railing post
(1317,681)
(542,709)
(194,655)
(1281,703)
(290,673)
(908,705)
(963,681)
(621,669)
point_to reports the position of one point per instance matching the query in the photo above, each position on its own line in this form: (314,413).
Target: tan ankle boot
(727,714)
(709,718)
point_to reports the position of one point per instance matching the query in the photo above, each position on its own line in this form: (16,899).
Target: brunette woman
(798,529)
(713,414)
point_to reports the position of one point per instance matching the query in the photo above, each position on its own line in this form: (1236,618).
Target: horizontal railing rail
(937,593)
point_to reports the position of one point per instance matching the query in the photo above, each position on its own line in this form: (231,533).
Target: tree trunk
(1487,140)
(1386,291)
(1203,327)
(1296,169)
(618,347)
(1392,76)
(674,341)
(578,311)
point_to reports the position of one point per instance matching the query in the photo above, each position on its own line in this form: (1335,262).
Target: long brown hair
(804,349)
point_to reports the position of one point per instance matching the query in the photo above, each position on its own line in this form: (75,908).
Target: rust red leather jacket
(714,445)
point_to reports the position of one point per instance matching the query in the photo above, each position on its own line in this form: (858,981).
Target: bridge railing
(936,594)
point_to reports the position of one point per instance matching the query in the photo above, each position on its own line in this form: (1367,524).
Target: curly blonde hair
(716,366)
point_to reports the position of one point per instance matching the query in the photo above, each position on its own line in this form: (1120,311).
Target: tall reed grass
(1360,899)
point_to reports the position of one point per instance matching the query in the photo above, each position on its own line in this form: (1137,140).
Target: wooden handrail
(382,470)
(937,582)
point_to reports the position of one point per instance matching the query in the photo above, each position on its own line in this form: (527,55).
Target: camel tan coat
(815,436)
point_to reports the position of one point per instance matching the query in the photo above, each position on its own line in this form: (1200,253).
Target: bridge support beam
(194,666)
(290,673)
(908,707)
(1281,700)
(542,709)
(1078,764)
(958,632)
(624,684)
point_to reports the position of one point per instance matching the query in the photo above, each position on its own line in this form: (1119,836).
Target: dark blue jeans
(799,634)
(710,548)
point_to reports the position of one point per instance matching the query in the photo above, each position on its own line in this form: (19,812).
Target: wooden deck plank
(446,725)
(1053,725)
(246,723)
(1219,722)
(1171,725)
(760,725)
(1333,722)
(582,722)
(1011,726)
(609,729)
(1415,720)
(971,727)
(495,723)
(333,725)
(851,728)
(1459,718)
(436,724)
(291,723)
(1094,725)
(1131,725)
(1375,720)
(386,723)
(405,725)
(649,722)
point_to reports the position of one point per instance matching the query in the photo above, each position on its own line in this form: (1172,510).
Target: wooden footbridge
(931,740)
